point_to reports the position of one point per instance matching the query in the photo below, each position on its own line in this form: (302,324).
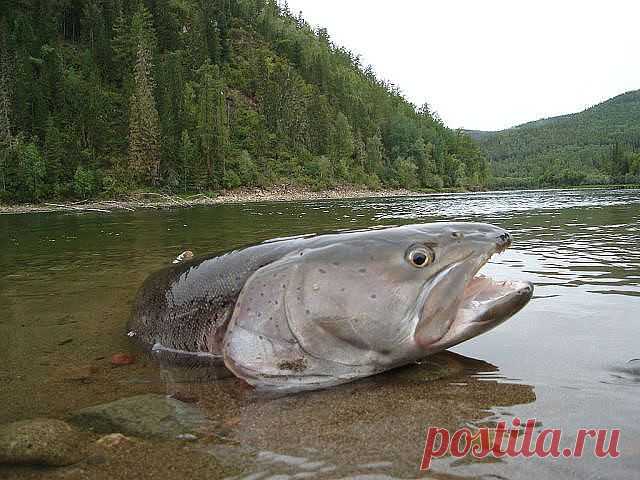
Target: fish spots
(284,285)
(298,365)
(335,264)
(374,296)
(316,287)
(307,311)
(363,270)
(322,270)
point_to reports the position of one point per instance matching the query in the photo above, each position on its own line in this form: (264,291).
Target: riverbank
(153,200)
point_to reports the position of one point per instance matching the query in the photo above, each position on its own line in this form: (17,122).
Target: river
(67,282)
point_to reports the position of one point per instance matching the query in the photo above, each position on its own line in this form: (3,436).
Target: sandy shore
(145,200)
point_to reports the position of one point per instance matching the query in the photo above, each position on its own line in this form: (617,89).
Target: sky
(491,64)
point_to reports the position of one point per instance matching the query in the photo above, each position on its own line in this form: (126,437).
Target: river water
(67,282)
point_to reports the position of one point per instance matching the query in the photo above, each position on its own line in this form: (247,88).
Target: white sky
(491,64)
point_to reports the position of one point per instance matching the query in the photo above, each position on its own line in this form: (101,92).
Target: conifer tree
(212,122)
(54,155)
(144,123)
(5,106)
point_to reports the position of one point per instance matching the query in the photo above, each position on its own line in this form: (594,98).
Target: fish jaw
(475,303)
(487,303)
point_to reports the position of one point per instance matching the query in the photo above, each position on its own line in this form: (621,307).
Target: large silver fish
(316,311)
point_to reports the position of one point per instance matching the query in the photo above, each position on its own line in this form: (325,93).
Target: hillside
(100,97)
(597,146)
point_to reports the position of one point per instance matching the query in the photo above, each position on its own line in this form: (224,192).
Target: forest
(99,98)
(599,146)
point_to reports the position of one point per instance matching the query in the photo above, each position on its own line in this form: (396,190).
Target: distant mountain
(598,145)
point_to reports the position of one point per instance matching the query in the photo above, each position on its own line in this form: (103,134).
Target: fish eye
(420,256)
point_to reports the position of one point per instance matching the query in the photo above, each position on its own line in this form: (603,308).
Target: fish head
(401,292)
(354,304)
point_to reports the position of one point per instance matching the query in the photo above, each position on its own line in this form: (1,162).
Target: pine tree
(5,106)
(130,36)
(212,122)
(341,145)
(189,177)
(31,171)
(172,110)
(144,123)
(375,155)
(54,155)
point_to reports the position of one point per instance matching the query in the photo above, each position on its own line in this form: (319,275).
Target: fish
(315,311)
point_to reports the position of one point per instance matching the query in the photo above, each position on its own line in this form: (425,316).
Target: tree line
(598,146)
(102,97)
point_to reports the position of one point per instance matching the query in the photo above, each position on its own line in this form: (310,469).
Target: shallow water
(67,282)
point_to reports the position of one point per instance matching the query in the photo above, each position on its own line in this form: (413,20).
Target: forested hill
(100,97)
(597,146)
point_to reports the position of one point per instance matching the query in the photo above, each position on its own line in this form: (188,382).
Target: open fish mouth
(486,299)
(481,302)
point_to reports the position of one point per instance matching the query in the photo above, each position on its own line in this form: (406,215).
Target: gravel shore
(157,200)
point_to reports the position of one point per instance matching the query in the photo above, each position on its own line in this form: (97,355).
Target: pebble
(42,441)
(143,416)
(120,359)
(113,440)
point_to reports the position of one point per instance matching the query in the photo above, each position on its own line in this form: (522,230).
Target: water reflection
(627,374)
(377,424)
(67,282)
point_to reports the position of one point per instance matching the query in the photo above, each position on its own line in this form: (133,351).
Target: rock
(141,416)
(41,442)
(184,256)
(120,359)
(113,440)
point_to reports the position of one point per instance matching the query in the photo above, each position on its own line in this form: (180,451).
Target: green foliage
(247,170)
(54,154)
(85,182)
(596,146)
(406,173)
(144,124)
(25,171)
(188,96)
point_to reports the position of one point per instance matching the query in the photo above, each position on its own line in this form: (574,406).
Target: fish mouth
(479,303)
(486,300)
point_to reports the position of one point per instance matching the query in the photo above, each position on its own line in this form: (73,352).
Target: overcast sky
(491,64)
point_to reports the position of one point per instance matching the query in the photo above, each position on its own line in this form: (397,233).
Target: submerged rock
(120,359)
(113,440)
(141,416)
(41,442)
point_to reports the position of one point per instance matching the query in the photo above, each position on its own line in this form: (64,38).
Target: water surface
(67,282)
